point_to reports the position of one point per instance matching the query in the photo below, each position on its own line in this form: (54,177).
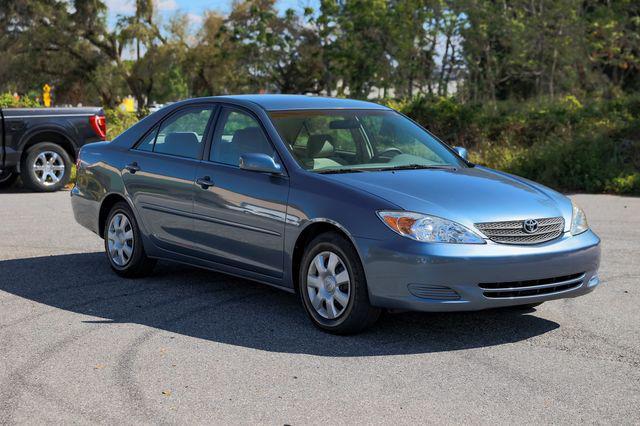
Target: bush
(118,121)
(564,144)
(7,100)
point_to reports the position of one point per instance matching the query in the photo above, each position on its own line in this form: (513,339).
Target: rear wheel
(333,288)
(123,243)
(7,178)
(46,167)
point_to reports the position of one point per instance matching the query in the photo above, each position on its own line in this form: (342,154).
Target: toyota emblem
(530,226)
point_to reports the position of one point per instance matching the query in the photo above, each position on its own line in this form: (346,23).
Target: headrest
(185,144)
(320,146)
(251,139)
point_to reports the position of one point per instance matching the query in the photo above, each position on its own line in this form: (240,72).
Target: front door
(159,176)
(240,216)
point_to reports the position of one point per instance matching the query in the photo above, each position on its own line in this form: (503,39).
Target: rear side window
(182,134)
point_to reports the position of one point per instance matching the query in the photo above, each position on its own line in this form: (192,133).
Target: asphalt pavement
(80,345)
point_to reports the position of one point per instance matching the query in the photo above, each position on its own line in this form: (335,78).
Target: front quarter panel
(315,199)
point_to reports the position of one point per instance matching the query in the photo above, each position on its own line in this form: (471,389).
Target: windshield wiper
(418,167)
(378,169)
(334,171)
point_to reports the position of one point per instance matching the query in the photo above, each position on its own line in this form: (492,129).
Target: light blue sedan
(349,204)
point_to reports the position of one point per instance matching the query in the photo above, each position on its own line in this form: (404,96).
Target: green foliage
(118,121)
(545,89)
(7,100)
(489,51)
(563,144)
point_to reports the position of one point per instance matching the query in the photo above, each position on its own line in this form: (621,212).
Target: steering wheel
(386,152)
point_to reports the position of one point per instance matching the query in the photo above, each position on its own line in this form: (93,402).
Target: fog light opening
(594,281)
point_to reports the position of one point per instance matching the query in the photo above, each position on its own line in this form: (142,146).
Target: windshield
(359,140)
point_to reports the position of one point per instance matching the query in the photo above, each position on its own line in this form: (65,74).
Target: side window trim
(211,131)
(140,141)
(223,111)
(206,137)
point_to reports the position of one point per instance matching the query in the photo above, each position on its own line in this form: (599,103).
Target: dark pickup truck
(41,144)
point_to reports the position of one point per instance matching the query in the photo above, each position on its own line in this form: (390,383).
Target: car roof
(298,102)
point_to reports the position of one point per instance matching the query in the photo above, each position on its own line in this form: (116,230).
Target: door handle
(133,167)
(204,182)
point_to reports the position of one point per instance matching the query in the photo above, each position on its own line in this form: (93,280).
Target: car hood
(465,195)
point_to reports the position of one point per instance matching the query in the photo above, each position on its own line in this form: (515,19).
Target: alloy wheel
(49,168)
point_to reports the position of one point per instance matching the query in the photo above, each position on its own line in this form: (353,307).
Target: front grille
(512,232)
(532,287)
(434,292)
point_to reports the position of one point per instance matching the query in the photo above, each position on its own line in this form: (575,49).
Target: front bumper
(394,266)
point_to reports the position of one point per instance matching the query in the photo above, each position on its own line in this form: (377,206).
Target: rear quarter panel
(98,176)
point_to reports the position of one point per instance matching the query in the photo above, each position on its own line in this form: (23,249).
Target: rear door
(240,216)
(160,172)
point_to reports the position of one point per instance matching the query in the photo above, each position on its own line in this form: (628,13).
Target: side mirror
(462,152)
(256,162)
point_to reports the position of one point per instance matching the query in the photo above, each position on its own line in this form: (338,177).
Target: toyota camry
(349,204)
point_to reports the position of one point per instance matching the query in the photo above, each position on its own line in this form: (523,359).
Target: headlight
(421,227)
(578,220)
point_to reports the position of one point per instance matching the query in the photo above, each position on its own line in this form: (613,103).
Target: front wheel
(123,243)
(333,287)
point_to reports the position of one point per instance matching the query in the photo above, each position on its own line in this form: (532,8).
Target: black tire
(30,176)
(138,264)
(8,178)
(358,314)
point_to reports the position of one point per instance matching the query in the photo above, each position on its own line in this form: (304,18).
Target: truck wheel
(46,167)
(7,178)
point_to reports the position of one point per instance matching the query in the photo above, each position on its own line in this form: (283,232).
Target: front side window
(146,144)
(238,133)
(341,140)
(182,134)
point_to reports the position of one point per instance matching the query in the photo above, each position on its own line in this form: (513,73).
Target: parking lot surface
(79,344)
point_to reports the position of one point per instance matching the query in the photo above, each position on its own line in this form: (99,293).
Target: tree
(497,49)
(413,37)
(358,44)
(291,56)
(613,35)
(520,48)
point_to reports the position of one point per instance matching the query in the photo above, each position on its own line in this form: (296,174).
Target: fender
(310,222)
(44,128)
(288,272)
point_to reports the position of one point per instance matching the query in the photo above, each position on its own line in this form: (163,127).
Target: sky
(194,8)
